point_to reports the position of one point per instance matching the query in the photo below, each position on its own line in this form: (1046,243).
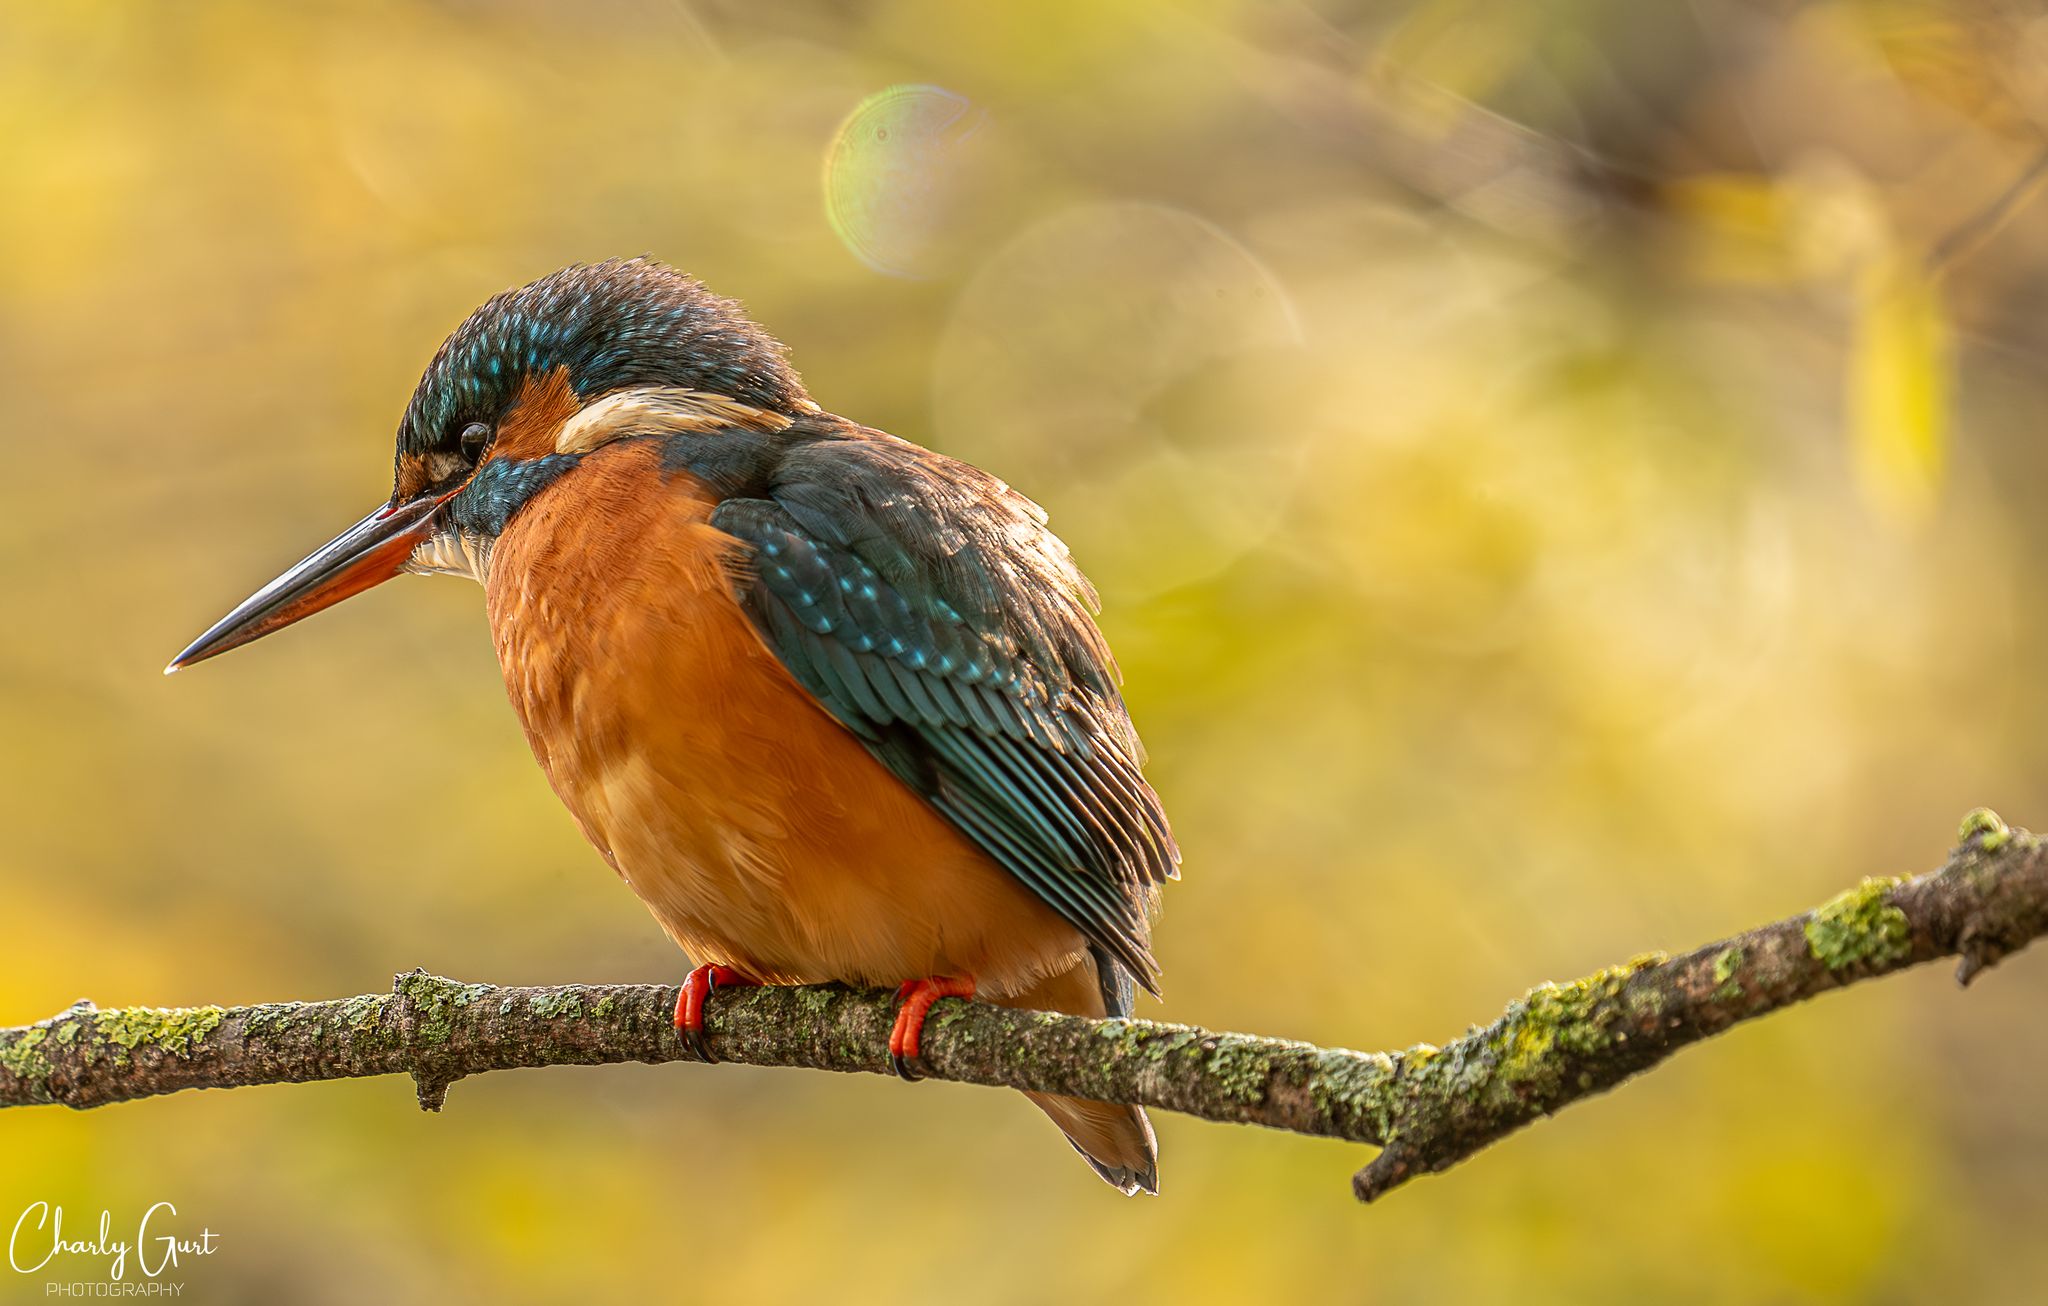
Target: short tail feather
(1116,1141)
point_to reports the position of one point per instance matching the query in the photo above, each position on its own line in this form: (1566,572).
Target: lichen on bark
(1860,927)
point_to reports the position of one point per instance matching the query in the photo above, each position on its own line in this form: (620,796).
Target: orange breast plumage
(756,828)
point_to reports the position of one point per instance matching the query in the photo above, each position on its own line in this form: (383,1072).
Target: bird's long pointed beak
(366,554)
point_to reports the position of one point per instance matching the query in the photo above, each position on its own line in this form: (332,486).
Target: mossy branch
(1426,1107)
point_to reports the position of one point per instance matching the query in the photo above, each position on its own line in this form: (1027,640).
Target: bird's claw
(914,999)
(698,986)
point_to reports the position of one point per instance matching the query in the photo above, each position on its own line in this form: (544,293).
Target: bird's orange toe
(916,998)
(699,985)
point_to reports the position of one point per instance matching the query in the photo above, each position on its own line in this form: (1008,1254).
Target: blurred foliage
(1549,503)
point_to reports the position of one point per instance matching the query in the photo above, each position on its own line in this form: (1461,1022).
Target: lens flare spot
(894,176)
(1128,352)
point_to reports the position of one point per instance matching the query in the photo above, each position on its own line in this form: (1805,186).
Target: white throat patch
(449,552)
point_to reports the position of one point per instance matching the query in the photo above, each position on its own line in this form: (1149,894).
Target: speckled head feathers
(622,322)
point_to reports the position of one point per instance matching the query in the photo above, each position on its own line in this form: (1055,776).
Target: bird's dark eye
(475,438)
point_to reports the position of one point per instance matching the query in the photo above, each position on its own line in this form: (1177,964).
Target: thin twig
(1972,232)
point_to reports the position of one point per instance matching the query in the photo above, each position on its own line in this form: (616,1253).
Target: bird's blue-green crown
(619,323)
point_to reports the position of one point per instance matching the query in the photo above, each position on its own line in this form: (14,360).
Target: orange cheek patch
(544,403)
(412,476)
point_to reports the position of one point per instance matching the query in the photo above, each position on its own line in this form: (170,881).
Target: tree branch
(1427,1108)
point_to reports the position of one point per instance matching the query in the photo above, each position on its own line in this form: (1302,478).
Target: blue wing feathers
(929,609)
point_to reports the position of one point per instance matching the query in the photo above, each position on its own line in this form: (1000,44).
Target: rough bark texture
(1426,1107)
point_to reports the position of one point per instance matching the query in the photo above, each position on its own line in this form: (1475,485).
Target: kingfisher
(833,705)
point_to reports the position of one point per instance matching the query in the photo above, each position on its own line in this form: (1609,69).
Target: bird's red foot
(916,998)
(698,985)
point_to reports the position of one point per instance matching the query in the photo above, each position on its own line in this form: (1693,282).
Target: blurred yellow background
(1550,499)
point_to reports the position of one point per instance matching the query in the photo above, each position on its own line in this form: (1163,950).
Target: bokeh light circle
(1127,353)
(895,176)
